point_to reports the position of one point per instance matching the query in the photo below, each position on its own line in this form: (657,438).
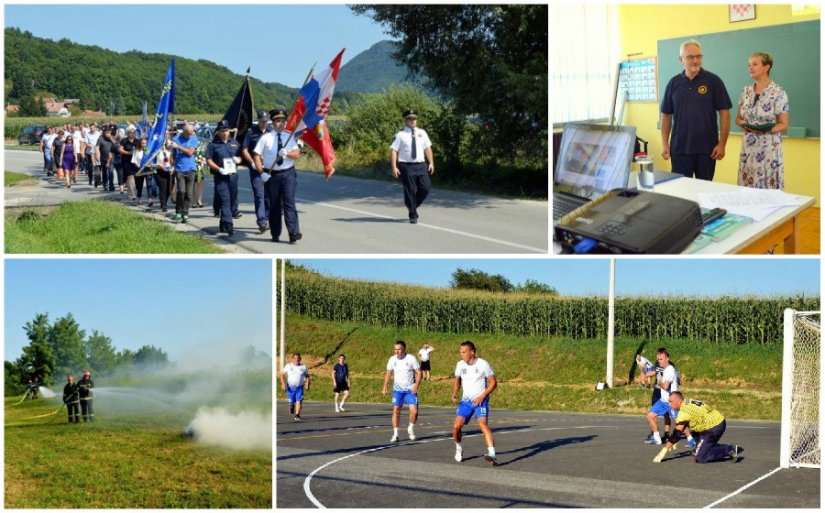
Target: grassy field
(742,381)
(12,178)
(130,457)
(96,227)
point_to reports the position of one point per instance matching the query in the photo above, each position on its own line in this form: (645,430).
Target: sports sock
(458,446)
(491,451)
(395,431)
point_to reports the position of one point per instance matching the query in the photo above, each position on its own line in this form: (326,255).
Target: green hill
(373,70)
(99,77)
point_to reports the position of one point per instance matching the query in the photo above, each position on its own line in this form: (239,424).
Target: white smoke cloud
(240,431)
(45,392)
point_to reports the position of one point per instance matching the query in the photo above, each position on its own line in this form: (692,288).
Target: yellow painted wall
(642,26)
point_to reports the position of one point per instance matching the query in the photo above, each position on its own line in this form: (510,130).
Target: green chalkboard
(795,51)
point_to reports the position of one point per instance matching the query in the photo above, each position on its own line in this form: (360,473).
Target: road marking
(318,504)
(737,492)
(423,225)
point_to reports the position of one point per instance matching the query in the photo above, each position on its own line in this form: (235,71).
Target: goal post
(801,386)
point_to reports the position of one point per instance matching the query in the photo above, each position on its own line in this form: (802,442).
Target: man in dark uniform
(72,399)
(258,186)
(690,103)
(84,388)
(407,158)
(275,155)
(223,156)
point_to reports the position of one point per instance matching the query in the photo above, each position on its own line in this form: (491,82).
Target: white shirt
(473,377)
(91,139)
(403,371)
(669,374)
(267,148)
(295,374)
(402,144)
(48,140)
(424,354)
(76,138)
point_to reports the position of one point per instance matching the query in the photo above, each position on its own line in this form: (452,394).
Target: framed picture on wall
(742,12)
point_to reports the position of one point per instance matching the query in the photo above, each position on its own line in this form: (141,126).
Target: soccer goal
(799,446)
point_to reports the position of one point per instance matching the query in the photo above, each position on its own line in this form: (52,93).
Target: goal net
(801,385)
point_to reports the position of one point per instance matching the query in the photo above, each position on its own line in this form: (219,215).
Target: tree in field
(491,60)
(151,355)
(536,287)
(479,280)
(66,340)
(100,353)
(38,359)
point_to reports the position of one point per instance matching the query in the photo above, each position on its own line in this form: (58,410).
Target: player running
(407,376)
(477,380)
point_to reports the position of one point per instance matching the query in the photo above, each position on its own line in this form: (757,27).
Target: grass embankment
(534,373)
(130,457)
(96,227)
(12,178)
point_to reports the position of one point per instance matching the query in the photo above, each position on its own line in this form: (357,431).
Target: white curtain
(583,59)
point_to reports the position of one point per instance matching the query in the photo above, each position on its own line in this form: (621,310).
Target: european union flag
(157,135)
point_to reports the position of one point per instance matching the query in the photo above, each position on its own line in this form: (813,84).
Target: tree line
(61,347)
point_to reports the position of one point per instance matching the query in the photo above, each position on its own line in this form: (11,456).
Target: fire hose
(21,400)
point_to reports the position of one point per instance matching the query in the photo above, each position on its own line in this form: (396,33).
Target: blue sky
(279,42)
(194,309)
(634,276)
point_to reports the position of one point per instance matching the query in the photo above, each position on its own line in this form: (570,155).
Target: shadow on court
(546,459)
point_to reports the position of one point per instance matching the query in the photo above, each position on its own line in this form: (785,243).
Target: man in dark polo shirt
(690,103)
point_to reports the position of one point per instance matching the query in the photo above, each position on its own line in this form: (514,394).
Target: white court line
(309,477)
(432,227)
(737,492)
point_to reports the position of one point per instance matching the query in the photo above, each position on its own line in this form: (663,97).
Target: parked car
(31,134)
(206,133)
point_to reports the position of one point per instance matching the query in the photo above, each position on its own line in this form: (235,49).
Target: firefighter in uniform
(84,388)
(71,399)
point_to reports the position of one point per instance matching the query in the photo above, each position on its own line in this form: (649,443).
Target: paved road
(346,216)
(547,459)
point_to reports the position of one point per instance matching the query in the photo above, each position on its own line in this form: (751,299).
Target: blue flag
(156,138)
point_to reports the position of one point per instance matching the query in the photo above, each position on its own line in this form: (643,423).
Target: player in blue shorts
(477,380)
(294,380)
(406,374)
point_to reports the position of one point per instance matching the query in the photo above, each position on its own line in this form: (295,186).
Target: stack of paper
(754,203)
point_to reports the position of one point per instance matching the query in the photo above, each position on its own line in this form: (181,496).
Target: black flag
(239,114)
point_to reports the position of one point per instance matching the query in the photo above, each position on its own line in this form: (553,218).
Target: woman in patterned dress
(761,164)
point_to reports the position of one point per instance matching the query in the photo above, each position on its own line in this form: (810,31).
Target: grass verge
(12,178)
(742,381)
(96,227)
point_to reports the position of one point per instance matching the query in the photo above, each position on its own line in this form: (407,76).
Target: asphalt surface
(340,216)
(546,460)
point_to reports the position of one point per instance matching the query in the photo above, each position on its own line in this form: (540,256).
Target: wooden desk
(781,227)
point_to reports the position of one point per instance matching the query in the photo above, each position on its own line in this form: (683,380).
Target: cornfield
(745,320)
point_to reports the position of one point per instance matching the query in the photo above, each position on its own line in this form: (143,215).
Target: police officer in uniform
(411,158)
(258,186)
(223,156)
(72,399)
(275,154)
(84,388)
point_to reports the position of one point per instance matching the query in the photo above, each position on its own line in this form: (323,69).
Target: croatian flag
(157,134)
(308,117)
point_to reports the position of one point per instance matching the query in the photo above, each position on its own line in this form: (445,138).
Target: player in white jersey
(477,381)
(407,376)
(294,380)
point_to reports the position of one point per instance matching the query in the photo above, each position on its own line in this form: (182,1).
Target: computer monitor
(593,159)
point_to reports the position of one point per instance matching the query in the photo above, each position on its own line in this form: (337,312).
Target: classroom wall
(638,34)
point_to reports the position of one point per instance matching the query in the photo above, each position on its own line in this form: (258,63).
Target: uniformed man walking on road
(84,388)
(275,155)
(411,158)
(259,187)
(72,399)
(223,156)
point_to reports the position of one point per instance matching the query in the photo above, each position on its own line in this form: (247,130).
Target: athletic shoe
(734,453)
(691,443)
(411,432)
(297,417)
(458,454)
(291,408)
(178,217)
(185,218)
(491,459)
(342,408)
(650,440)
(394,439)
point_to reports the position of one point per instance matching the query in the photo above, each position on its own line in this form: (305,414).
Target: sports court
(546,459)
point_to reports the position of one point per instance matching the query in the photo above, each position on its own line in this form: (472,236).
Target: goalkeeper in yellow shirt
(706,424)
